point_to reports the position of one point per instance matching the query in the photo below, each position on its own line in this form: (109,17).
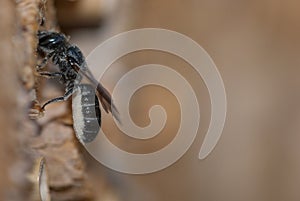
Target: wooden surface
(7,99)
(22,140)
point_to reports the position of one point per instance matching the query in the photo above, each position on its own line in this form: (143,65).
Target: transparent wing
(103,95)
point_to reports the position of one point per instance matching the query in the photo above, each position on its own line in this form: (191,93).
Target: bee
(72,68)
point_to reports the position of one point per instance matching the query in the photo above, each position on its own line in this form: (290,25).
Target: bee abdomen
(86,113)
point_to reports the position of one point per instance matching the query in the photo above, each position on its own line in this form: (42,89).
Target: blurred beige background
(255,45)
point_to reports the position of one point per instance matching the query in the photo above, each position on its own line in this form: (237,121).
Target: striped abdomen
(86,113)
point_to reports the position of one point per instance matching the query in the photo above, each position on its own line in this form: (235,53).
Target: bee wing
(103,94)
(106,101)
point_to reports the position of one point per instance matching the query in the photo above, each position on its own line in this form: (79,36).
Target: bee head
(49,41)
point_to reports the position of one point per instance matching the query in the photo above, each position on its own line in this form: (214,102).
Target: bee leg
(45,61)
(51,74)
(65,97)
